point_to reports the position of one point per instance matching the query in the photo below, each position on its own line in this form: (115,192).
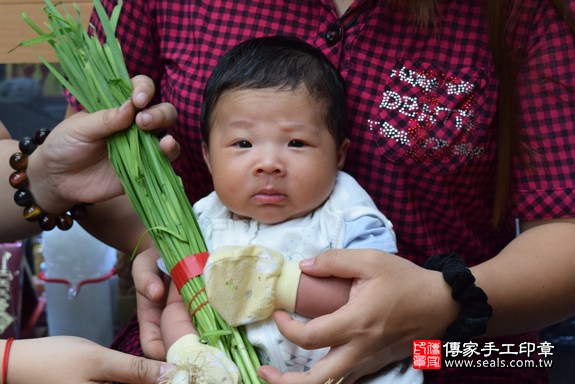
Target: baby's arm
(185,350)
(175,322)
(318,296)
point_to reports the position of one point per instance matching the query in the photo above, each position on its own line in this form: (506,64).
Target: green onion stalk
(99,79)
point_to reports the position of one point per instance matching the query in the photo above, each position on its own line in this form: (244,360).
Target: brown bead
(64,221)
(79,212)
(41,135)
(47,221)
(32,212)
(23,197)
(27,145)
(18,179)
(18,161)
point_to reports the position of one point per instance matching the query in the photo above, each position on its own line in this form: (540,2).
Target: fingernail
(142,98)
(262,376)
(174,144)
(146,118)
(165,369)
(151,291)
(123,106)
(306,263)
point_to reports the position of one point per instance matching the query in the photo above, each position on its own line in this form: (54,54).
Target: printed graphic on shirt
(296,363)
(430,118)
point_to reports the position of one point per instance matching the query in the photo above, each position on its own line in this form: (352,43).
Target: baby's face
(271,155)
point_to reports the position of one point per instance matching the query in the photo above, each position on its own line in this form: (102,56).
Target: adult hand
(151,293)
(65,359)
(72,165)
(392,302)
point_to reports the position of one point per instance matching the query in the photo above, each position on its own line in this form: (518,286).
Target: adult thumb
(344,263)
(124,368)
(100,124)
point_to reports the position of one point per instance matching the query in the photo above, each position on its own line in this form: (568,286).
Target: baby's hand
(246,284)
(196,360)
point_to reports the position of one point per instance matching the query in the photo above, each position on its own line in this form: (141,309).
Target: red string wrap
(196,310)
(200,306)
(194,298)
(5,359)
(188,268)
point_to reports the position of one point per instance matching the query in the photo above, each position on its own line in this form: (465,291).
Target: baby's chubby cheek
(225,187)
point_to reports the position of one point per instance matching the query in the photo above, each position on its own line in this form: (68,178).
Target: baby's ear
(206,153)
(342,153)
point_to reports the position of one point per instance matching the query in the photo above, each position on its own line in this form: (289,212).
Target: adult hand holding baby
(378,324)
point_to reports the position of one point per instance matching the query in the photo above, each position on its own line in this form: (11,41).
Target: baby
(273,123)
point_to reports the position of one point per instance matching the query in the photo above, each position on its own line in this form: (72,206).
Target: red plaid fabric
(423,111)
(128,339)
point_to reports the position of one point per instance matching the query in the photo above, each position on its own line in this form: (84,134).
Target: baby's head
(273,122)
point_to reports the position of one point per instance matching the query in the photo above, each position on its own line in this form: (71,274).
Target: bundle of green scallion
(99,80)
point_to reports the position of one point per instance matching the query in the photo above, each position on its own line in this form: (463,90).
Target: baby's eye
(296,143)
(244,144)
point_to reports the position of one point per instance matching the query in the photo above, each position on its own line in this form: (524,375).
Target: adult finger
(338,363)
(158,116)
(147,275)
(331,369)
(144,90)
(149,318)
(346,263)
(120,367)
(321,332)
(170,147)
(150,302)
(98,125)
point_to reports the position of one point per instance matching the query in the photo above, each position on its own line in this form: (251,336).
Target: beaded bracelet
(23,197)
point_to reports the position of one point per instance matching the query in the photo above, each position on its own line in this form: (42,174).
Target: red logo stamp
(426,354)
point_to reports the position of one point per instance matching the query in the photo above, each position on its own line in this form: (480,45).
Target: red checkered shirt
(422,111)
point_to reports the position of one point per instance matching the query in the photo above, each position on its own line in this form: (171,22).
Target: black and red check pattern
(423,109)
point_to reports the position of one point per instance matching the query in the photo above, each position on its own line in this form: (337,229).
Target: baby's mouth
(269,196)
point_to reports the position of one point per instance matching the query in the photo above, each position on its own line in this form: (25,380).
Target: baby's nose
(270,163)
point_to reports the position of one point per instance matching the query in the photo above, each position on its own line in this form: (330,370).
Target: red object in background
(77,289)
(426,354)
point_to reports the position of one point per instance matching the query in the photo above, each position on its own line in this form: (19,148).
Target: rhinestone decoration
(432,114)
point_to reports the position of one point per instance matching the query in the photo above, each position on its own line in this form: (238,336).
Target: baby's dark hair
(278,62)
